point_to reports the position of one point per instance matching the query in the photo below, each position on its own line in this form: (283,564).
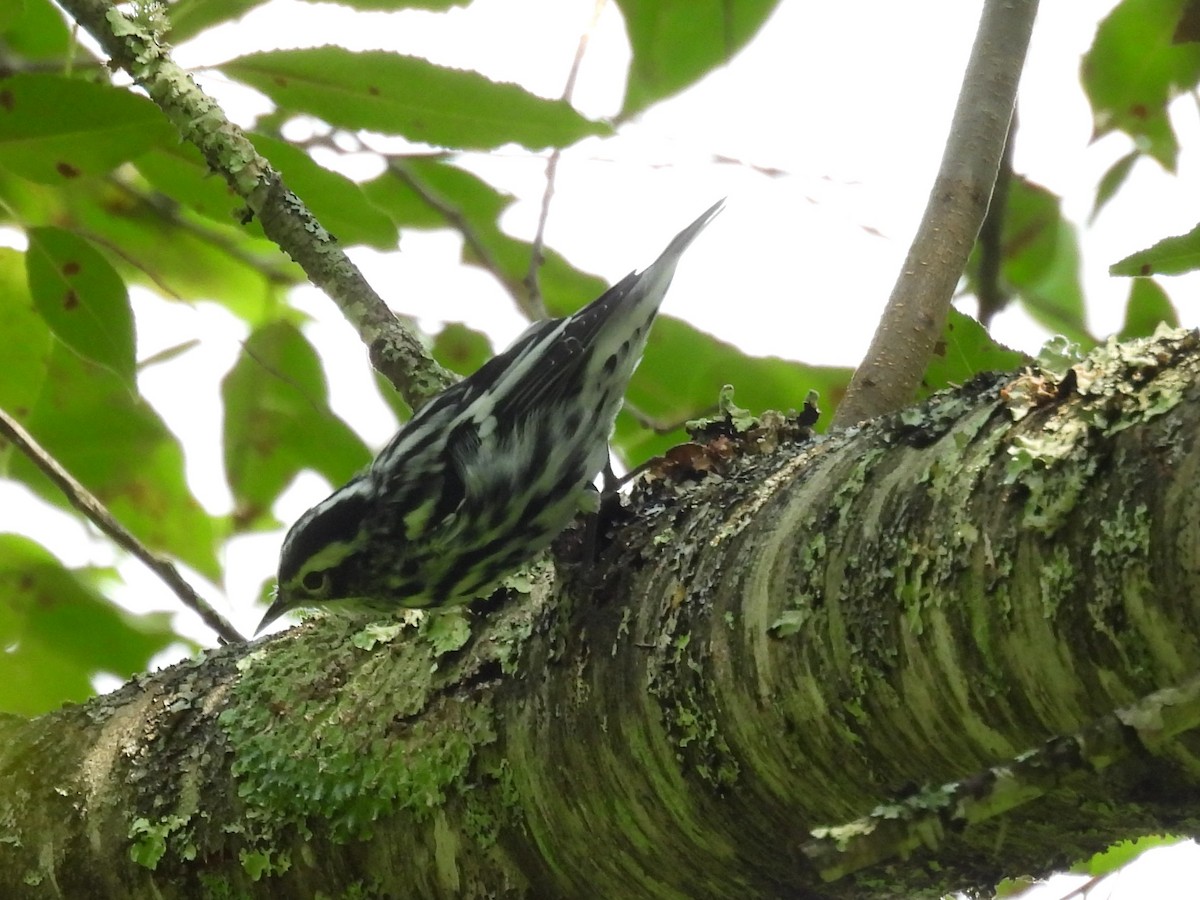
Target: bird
(484,476)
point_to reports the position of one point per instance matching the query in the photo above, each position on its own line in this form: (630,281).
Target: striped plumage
(485,475)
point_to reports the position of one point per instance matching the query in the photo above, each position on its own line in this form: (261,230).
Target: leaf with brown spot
(1170,256)
(55,127)
(59,630)
(423,101)
(278,421)
(82,298)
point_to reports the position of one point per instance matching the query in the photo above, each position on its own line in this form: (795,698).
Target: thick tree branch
(915,316)
(825,630)
(395,351)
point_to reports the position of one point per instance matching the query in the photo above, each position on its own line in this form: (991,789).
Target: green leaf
(1040,261)
(1170,256)
(1122,853)
(677,42)
(10,14)
(684,371)
(334,199)
(116,445)
(82,298)
(38,32)
(189,17)
(58,630)
(437,175)
(24,202)
(1112,180)
(27,342)
(388,5)
(478,206)
(412,97)
(1148,307)
(461,349)
(278,422)
(965,350)
(56,130)
(181,174)
(1134,69)
(186,258)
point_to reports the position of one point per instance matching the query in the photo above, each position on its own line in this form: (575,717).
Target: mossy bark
(831,670)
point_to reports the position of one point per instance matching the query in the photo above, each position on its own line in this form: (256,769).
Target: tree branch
(453,215)
(394,350)
(825,627)
(539,237)
(84,501)
(901,826)
(915,316)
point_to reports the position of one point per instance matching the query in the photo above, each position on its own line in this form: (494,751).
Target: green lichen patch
(309,743)
(148,840)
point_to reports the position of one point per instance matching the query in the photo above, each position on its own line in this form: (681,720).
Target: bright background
(824,133)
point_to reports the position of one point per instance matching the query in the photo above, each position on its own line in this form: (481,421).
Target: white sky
(852,100)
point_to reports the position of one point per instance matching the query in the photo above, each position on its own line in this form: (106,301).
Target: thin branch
(915,316)
(991,294)
(535,255)
(664,426)
(168,210)
(471,237)
(394,349)
(84,501)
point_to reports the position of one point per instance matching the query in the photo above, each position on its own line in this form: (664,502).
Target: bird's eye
(315,582)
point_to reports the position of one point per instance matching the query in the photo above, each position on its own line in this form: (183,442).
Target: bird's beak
(274,611)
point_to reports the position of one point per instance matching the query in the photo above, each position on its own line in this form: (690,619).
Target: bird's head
(323,559)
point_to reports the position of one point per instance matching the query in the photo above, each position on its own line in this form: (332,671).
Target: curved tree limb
(758,657)
(915,316)
(394,350)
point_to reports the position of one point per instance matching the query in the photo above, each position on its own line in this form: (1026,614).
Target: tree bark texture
(818,669)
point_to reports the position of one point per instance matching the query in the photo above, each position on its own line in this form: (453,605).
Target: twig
(915,316)
(992,298)
(452,215)
(663,426)
(84,501)
(160,206)
(535,255)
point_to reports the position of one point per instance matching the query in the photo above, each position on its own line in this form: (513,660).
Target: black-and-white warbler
(487,473)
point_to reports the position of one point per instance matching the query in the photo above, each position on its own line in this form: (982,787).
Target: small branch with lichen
(922,818)
(136,47)
(84,501)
